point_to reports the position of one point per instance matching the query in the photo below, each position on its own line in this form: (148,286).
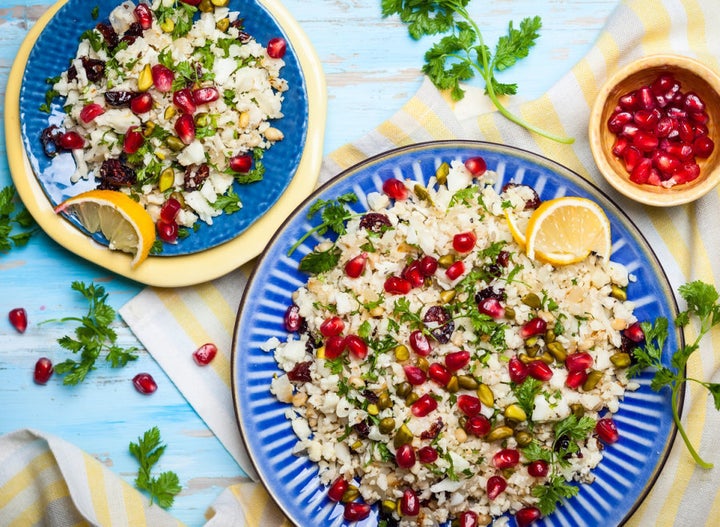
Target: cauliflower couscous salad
(431,371)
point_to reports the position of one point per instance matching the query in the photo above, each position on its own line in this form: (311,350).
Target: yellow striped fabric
(686,239)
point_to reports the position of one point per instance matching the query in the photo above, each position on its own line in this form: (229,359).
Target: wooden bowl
(693,76)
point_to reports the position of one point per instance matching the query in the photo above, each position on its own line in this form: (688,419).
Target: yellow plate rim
(172,271)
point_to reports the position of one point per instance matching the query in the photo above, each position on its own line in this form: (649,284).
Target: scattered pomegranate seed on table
(205,354)
(661,131)
(18,319)
(144,383)
(43,370)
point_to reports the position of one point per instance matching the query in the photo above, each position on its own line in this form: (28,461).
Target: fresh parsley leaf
(10,218)
(92,337)
(553,492)
(318,262)
(334,213)
(525,394)
(462,53)
(148,450)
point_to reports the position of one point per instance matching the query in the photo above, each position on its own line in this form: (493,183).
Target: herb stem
(676,417)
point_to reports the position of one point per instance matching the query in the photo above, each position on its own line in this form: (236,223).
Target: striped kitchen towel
(686,239)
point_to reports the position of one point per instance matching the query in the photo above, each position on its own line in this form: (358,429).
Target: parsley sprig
(334,214)
(92,337)
(462,53)
(702,304)
(10,218)
(147,451)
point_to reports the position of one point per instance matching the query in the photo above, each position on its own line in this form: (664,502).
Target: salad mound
(172,104)
(434,371)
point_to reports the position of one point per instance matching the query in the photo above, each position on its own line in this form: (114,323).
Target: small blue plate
(629,467)
(51,54)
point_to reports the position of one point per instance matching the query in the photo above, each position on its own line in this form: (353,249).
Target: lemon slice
(566,230)
(517,223)
(123,221)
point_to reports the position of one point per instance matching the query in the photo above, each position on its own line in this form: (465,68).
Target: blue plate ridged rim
(629,467)
(51,54)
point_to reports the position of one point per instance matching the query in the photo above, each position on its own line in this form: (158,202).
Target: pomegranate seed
(688,172)
(334,346)
(663,84)
(645,98)
(537,369)
(518,370)
(700,129)
(419,343)
(292,319)
(631,157)
(476,166)
(478,425)
(355,511)
(699,117)
(18,319)
(629,101)
(357,347)
(276,48)
(356,266)
(409,503)
(167,230)
(71,141)
(170,209)
(141,103)
(491,307)
(428,265)
(43,370)
(332,326)
(456,270)
(469,404)
(679,150)
(133,140)
(395,189)
(607,431)
(337,489)
(397,286)
(143,15)
(525,516)
(162,77)
(423,406)
(534,326)
(621,144)
(439,373)
(457,360)
(664,127)
(703,146)
(634,332)
(665,163)
(506,458)
(464,242)
(645,142)
(205,354)
(576,379)
(205,95)
(144,383)
(185,128)
(578,361)
(427,454)
(617,121)
(90,112)
(539,468)
(676,113)
(413,274)
(183,100)
(405,456)
(241,163)
(647,119)
(468,519)
(495,486)
(693,102)
(641,173)
(414,375)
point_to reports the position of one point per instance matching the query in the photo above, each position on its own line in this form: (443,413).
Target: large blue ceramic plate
(57,44)
(629,467)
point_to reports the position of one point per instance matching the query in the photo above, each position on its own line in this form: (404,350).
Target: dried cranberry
(375,222)
(109,34)
(300,372)
(114,175)
(292,319)
(195,176)
(118,98)
(440,323)
(362,429)
(94,68)
(433,431)
(49,139)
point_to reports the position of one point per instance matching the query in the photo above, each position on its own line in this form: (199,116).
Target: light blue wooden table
(372,67)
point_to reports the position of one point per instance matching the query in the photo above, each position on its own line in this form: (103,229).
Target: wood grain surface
(372,67)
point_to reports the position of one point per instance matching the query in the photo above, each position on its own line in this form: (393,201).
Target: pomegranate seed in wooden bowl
(653,130)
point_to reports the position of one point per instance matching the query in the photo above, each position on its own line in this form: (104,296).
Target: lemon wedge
(517,223)
(123,221)
(566,230)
